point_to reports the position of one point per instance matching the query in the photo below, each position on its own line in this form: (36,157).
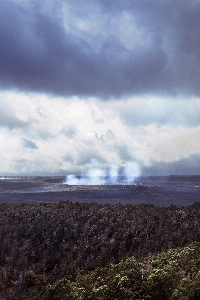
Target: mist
(101,174)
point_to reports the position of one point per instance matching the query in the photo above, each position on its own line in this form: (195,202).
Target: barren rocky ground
(162,191)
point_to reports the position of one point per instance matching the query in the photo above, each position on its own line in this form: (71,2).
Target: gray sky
(111,80)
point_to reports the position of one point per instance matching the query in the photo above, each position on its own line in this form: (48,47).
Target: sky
(115,82)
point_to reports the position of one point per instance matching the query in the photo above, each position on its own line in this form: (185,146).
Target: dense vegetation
(171,275)
(91,251)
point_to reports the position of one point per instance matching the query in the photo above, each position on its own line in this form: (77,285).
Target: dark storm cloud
(38,54)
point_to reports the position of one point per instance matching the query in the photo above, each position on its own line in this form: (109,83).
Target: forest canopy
(116,251)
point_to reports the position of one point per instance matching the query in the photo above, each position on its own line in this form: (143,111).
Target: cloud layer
(103,49)
(42,135)
(115,82)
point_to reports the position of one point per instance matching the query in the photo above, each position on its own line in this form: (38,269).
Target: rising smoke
(99,174)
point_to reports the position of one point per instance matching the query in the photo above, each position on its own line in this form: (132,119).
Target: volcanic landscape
(156,190)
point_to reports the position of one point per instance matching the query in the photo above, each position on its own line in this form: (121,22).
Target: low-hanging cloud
(103,49)
(60,138)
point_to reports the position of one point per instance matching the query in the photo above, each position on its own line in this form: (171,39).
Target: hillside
(42,244)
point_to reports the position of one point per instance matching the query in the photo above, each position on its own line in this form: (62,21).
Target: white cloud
(168,143)
(57,135)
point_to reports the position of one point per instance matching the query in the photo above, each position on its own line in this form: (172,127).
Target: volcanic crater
(156,190)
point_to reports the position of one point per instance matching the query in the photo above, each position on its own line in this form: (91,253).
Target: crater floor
(157,190)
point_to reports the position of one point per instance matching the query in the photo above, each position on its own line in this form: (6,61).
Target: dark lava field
(156,190)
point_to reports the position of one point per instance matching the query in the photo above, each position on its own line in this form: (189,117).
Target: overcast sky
(115,81)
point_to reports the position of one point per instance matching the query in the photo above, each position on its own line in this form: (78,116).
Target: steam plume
(99,174)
